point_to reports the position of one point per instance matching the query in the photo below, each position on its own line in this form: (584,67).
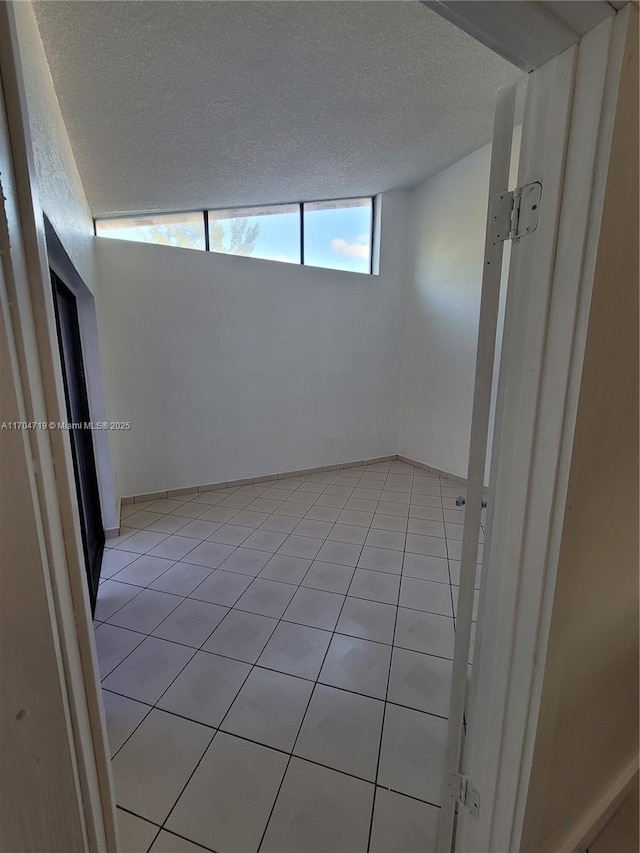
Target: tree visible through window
(329,234)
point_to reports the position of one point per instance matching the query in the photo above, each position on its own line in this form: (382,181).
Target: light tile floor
(276,663)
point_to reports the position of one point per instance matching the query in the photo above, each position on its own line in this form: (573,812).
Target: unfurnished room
(319,426)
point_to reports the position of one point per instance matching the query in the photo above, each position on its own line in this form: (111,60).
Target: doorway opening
(79,419)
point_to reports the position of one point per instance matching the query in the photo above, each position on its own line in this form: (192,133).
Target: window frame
(373,199)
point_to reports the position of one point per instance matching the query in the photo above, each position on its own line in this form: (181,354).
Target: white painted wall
(234,367)
(442,306)
(58,194)
(57,186)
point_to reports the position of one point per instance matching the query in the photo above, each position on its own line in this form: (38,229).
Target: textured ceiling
(185,105)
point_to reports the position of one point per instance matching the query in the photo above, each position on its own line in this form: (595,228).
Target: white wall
(234,367)
(57,186)
(448,217)
(58,194)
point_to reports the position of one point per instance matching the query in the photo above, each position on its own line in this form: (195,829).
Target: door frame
(87,487)
(567,134)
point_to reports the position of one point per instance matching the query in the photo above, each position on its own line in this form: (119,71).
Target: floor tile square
(113,561)
(429,596)
(340,491)
(154,764)
(122,716)
(431,546)
(241,636)
(146,611)
(381,560)
(311,527)
(229,798)
(222,588)
(426,568)
(319,811)
(142,518)
(265,540)
(113,595)
(300,546)
(357,665)
(323,513)
(174,547)
(165,505)
(335,501)
(396,523)
(230,534)
(199,529)
(422,511)
(190,510)
(296,650)
(209,498)
(236,500)
(266,598)
(403,825)
(264,505)
(348,533)
(341,553)
(342,730)
(147,672)
(425,632)
(355,518)
(144,570)
(315,608)
(269,708)
(395,497)
(420,681)
(388,539)
(369,620)
(286,569)
(375,586)
(209,554)
(426,527)
(191,622)
(205,688)
(221,514)
(167,842)
(141,542)
(181,578)
(246,561)
(427,513)
(279,523)
(168,524)
(413,751)
(361,505)
(134,832)
(328,577)
(247,518)
(113,644)
(392,508)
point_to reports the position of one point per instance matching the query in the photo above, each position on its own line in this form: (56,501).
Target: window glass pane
(176,229)
(337,234)
(271,233)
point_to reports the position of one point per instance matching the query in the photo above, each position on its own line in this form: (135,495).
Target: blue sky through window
(337,234)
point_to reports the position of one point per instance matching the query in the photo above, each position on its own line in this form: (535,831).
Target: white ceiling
(186,105)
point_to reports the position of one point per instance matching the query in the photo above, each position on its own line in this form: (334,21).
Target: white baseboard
(188,490)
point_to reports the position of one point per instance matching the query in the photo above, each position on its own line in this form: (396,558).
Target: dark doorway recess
(84,463)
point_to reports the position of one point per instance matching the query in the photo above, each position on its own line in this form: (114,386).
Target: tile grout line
(380,486)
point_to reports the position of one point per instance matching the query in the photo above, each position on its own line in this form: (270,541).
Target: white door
(566,135)
(482,396)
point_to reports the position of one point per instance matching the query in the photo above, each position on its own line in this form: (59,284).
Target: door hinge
(463,792)
(515,214)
